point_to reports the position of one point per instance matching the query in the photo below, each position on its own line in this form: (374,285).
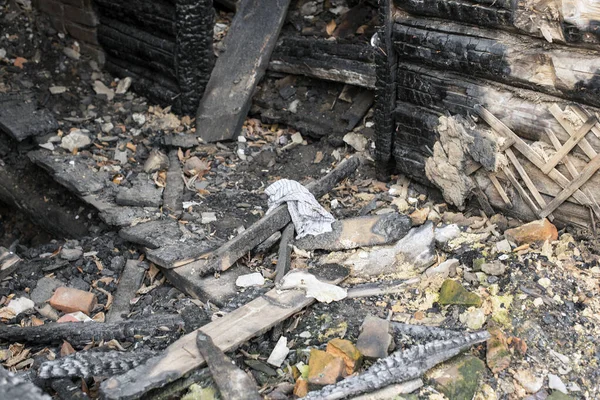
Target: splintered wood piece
(567,160)
(228,333)
(9,262)
(532,156)
(500,189)
(589,170)
(528,182)
(584,145)
(583,114)
(524,195)
(130,281)
(285,252)
(482,199)
(569,144)
(249,44)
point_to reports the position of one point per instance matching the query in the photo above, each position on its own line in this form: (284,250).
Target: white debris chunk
(279,353)
(323,292)
(247,280)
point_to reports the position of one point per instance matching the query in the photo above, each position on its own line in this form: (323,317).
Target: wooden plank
(569,144)
(173,193)
(582,178)
(584,144)
(584,114)
(500,189)
(284,254)
(248,47)
(532,156)
(528,182)
(567,160)
(228,333)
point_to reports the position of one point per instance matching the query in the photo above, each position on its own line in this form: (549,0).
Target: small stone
(530,382)
(445,234)
(279,353)
(458,378)
(305,335)
(545,282)
(194,166)
(473,318)
(301,387)
(346,350)
(538,302)
(356,140)
(324,368)
(156,161)
(401,204)
(494,268)
(254,279)
(107,127)
(445,269)
(123,85)
(71,254)
(57,89)
(536,231)
(75,140)
(555,383)
(47,146)
(419,217)
(71,53)
(208,217)
(308,8)
(139,119)
(497,356)
(374,340)
(48,312)
(70,300)
(101,89)
(120,156)
(503,246)
(44,289)
(452,292)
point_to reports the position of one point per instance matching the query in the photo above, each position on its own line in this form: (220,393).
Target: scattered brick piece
(374,340)
(301,387)
(324,368)
(498,356)
(70,300)
(348,352)
(536,231)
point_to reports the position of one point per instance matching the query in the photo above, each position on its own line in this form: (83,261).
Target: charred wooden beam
(516,60)
(153,16)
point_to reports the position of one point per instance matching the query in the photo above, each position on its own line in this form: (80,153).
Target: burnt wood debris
(494,105)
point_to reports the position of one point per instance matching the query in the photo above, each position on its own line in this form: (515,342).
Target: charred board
(20,117)
(166,47)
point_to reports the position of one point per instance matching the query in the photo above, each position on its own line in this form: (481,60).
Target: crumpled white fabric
(308,216)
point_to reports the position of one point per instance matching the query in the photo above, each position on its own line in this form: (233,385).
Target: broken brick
(536,231)
(324,368)
(70,300)
(347,351)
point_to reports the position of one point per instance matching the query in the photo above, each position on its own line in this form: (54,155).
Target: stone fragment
(324,368)
(530,382)
(356,141)
(75,140)
(458,378)
(452,292)
(555,383)
(544,282)
(74,317)
(444,269)
(156,161)
(101,89)
(57,89)
(120,156)
(47,311)
(279,353)
(374,341)
(503,246)
(473,318)
(322,291)
(536,231)
(495,268)
(123,85)
(254,279)
(346,350)
(71,53)
(16,307)
(44,289)
(418,217)
(70,300)
(446,233)
(71,254)
(301,387)
(208,217)
(194,166)
(497,356)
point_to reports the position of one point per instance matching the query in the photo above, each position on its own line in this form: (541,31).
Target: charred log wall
(515,57)
(165,46)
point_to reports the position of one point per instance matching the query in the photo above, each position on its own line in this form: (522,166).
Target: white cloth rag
(308,216)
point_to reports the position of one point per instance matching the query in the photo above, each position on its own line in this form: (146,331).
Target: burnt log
(152,16)
(517,60)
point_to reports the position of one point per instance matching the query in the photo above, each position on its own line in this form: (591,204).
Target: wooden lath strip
(500,189)
(582,178)
(524,195)
(584,145)
(569,145)
(532,156)
(584,114)
(567,160)
(528,182)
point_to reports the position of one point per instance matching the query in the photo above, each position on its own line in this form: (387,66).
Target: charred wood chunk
(17,387)
(152,16)
(20,117)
